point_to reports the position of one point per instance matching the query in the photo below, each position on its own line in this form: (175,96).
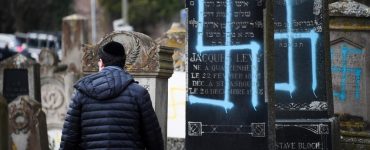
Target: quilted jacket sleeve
(71,134)
(151,131)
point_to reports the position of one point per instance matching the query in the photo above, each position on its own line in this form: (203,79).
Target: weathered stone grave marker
(48,60)
(19,75)
(302,74)
(227,104)
(350,65)
(54,94)
(74,35)
(27,125)
(150,64)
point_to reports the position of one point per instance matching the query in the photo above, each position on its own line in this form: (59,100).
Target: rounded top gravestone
(48,57)
(48,60)
(53,101)
(27,124)
(142,54)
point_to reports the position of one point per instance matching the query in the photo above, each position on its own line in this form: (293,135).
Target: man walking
(109,110)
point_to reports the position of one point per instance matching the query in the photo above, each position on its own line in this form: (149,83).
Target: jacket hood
(107,84)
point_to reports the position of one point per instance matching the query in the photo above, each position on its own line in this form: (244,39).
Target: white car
(34,42)
(10,40)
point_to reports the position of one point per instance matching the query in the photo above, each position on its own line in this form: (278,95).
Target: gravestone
(48,60)
(54,104)
(53,92)
(348,68)
(228,98)
(74,35)
(27,125)
(54,101)
(350,55)
(350,31)
(4,123)
(176,37)
(304,107)
(150,64)
(55,95)
(19,75)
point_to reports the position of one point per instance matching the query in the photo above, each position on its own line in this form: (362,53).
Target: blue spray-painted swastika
(290,86)
(254,47)
(344,71)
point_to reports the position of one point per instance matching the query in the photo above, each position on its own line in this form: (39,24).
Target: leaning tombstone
(19,75)
(150,64)
(229,103)
(27,124)
(3,123)
(304,104)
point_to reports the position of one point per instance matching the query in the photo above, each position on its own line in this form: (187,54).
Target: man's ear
(100,64)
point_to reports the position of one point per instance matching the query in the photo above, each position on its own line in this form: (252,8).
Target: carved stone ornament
(349,8)
(53,101)
(90,58)
(27,126)
(17,61)
(141,50)
(313,106)
(321,129)
(23,114)
(175,37)
(142,53)
(48,57)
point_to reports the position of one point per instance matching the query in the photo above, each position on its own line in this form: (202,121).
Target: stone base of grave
(292,134)
(175,143)
(350,140)
(354,132)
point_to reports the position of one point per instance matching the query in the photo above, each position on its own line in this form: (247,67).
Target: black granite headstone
(302,74)
(15,83)
(226,108)
(20,75)
(300,63)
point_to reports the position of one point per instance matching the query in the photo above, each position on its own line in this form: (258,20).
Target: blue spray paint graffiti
(344,71)
(290,86)
(254,47)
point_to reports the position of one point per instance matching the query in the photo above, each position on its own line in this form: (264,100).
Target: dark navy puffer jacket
(111,111)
